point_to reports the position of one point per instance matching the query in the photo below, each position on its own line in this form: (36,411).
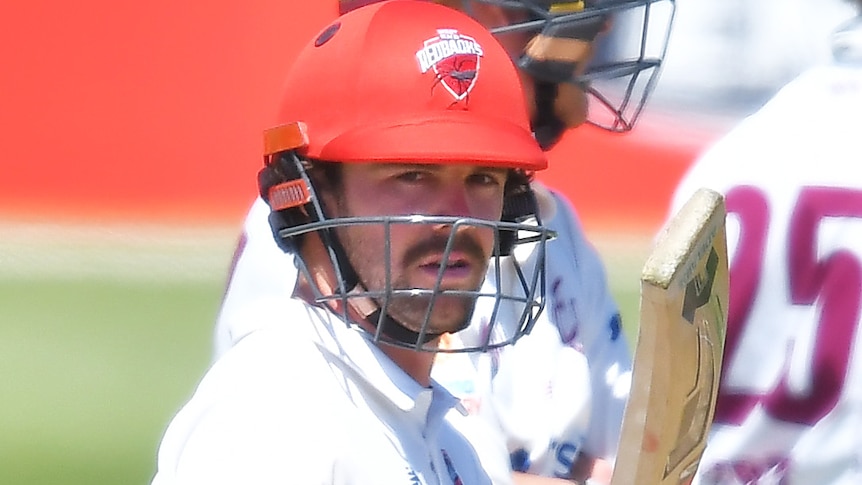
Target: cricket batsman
(559,394)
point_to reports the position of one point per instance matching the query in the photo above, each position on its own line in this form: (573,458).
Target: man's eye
(487,179)
(412,176)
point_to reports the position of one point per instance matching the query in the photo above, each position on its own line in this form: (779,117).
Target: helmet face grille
(627,63)
(506,305)
(612,49)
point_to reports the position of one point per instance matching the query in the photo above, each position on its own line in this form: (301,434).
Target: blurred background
(129,144)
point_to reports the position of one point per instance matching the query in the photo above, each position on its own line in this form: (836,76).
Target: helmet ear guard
(281,183)
(284,185)
(519,205)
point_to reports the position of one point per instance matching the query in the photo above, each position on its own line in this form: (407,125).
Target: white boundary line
(115,251)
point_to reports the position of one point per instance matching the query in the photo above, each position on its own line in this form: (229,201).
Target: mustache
(462,243)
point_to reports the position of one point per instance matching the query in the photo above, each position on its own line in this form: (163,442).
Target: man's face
(416,250)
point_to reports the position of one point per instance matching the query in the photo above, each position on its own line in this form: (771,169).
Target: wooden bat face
(683,317)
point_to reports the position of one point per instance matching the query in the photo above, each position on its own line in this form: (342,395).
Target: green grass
(104,333)
(92,371)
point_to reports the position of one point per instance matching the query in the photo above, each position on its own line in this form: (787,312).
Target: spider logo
(455,60)
(458,75)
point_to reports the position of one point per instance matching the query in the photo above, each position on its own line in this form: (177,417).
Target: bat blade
(677,359)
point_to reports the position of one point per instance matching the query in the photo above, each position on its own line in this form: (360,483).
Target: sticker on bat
(699,289)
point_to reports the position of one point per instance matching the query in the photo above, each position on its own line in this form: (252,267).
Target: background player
(393,242)
(559,394)
(790,401)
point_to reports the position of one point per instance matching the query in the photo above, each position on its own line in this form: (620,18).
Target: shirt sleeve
(261,275)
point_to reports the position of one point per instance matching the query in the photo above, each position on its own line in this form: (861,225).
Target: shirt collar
(370,368)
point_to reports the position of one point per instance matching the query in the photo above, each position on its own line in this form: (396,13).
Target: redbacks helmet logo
(455,60)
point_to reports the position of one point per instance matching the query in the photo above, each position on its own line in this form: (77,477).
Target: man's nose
(454,202)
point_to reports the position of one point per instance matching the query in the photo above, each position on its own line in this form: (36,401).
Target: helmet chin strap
(396,331)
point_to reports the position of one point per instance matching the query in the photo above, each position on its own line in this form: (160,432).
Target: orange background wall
(155,109)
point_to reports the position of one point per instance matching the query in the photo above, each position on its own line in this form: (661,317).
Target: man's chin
(449,315)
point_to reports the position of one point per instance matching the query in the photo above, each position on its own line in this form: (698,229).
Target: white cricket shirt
(790,402)
(307,400)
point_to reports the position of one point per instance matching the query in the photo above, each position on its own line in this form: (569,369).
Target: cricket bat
(677,358)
